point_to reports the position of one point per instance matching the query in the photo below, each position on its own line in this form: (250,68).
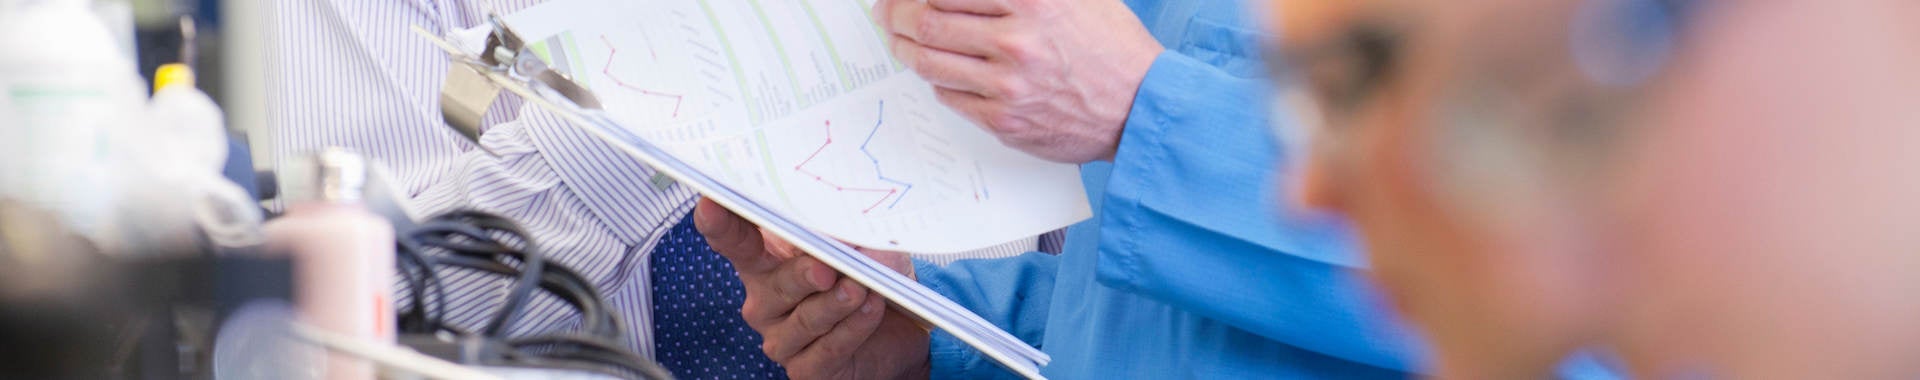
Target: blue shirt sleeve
(1013,293)
(1189,220)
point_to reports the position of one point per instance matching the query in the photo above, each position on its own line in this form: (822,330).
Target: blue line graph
(877,122)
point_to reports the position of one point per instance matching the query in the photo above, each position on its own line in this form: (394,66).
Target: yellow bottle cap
(172,74)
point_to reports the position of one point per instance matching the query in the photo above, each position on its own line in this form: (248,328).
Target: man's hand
(817,324)
(1055,78)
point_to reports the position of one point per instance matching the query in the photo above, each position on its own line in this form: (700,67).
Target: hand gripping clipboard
(473,82)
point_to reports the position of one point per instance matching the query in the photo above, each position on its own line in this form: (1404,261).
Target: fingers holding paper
(816,322)
(1054,78)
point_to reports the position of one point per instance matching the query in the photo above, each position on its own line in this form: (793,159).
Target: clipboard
(506,63)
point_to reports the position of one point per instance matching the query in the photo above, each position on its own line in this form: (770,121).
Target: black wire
(474,225)
(411,251)
(522,359)
(532,260)
(409,270)
(589,349)
(571,340)
(551,282)
(421,279)
(607,324)
(596,317)
(492,244)
(627,368)
(445,231)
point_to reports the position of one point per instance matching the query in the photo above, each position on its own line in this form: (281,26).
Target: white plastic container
(189,119)
(184,142)
(166,172)
(343,258)
(63,85)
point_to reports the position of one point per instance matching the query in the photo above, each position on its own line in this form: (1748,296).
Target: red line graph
(607,69)
(802,169)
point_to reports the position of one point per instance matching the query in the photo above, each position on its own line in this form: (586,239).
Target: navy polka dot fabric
(697,329)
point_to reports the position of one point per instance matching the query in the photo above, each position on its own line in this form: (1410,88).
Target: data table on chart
(799,105)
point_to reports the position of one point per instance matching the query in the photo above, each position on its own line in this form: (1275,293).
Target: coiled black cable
(422,280)
(489,243)
(472,233)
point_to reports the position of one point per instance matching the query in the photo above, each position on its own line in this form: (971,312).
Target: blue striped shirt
(351,73)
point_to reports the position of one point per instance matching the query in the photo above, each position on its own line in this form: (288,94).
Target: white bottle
(192,123)
(63,85)
(166,169)
(195,135)
(343,258)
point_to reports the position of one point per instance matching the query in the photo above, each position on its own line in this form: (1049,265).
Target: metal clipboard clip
(472,81)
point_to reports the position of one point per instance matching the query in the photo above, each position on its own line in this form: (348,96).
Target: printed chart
(799,105)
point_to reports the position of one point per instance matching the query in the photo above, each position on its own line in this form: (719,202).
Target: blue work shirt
(1187,269)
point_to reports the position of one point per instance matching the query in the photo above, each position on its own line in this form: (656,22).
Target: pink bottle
(343,256)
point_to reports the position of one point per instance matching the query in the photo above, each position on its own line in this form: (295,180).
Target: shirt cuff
(1197,149)
(1156,106)
(1188,220)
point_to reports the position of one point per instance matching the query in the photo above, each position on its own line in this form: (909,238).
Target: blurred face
(1772,211)
(1466,240)
(1731,211)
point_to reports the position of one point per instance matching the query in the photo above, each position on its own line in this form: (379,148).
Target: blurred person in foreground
(1711,189)
(1177,276)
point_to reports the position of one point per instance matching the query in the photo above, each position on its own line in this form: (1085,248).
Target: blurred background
(134,244)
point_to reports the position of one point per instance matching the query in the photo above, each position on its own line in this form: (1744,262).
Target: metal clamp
(469,90)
